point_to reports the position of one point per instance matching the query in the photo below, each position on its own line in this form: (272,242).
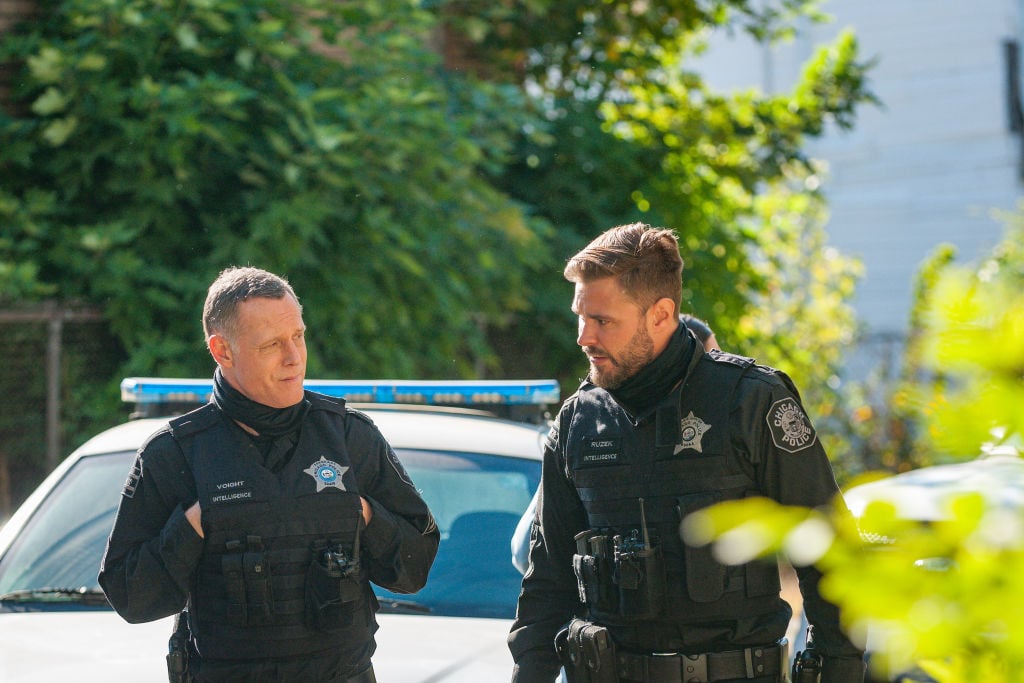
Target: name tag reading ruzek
(601,451)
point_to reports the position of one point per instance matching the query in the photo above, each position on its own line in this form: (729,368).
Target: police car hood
(42,647)
(80,646)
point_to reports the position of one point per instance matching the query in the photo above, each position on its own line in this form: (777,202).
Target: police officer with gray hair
(267,512)
(661,428)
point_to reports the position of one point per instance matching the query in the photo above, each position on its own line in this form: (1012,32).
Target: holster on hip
(588,652)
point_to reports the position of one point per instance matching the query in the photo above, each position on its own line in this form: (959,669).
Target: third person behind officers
(657,430)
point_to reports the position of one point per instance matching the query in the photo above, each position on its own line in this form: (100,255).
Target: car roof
(452,429)
(922,494)
(404,426)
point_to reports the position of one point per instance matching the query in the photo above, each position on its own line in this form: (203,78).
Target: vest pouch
(591,563)
(586,578)
(247,582)
(333,589)
(762,578)
(259,600)
(590,651)
(705,576)
(234,584)
(640,577)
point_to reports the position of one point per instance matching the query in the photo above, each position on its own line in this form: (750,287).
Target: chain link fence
(57,387)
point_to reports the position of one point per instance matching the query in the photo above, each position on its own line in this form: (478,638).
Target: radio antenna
(643,525)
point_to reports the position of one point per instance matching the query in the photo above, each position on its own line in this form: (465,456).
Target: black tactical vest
(637,483)
(279,574)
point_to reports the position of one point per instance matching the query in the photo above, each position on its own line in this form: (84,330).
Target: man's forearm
(150,580)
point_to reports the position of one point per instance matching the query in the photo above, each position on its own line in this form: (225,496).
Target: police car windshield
(476,499)
(62,544)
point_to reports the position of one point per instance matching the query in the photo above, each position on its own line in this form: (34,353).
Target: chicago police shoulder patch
(396,464)
(790,428)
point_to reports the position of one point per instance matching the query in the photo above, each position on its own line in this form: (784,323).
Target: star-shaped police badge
(693,430)
(327,474)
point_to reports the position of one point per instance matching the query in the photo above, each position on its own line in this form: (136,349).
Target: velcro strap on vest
(234,585)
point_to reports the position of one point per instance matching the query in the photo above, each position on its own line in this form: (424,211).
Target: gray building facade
(939,159)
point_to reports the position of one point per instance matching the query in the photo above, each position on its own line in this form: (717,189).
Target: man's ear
(219,349)
(664,314)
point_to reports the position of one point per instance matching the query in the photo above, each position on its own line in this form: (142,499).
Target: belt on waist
(751,662)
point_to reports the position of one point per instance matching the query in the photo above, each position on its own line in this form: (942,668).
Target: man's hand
(195,517)
(367,510)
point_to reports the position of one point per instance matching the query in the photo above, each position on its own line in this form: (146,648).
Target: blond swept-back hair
(645,260)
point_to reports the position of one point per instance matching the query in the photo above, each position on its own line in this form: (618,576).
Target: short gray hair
(233,286)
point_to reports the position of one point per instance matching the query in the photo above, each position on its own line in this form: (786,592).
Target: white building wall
(928,166)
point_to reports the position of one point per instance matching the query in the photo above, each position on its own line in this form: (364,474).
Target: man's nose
(585,334)
(293,354)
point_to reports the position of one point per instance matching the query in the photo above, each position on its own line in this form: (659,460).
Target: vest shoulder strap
(333,404)
(723,370)
(566,413)
(194,422)
(730,358)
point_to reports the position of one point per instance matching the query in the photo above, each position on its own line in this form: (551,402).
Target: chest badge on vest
(790,428)
(327,474)
(693,431)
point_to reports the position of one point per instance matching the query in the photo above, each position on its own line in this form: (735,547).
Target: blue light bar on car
(151,390)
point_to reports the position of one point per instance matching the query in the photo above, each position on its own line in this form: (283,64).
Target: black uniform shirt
(793,472)
(153,551)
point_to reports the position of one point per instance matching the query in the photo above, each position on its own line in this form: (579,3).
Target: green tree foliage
(325,141)
(419,171)
(167,140)
(797,315)
(944,596)
(634,133)
(721,151)
(974,348)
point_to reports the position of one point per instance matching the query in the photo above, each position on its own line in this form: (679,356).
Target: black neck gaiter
(265,420)
(646,389)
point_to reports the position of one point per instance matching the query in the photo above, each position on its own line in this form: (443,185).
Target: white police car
(476,471)
(924,495)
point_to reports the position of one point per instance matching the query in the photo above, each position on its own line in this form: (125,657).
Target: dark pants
(285,671)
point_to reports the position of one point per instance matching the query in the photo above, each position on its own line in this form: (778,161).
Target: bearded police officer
(521,536)
(661,428)
(267,511)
